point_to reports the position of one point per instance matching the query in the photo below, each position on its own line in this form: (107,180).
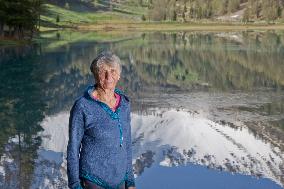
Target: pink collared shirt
(117,96)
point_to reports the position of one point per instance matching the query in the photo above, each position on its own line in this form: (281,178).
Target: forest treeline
(186,10)
(19,18)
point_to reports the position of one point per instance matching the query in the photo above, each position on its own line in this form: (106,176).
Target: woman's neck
(106,95)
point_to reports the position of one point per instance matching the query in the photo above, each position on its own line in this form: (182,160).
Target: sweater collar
(113,114)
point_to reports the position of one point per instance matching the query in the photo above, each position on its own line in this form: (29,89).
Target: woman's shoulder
(84,97)
(83,104)
(122,95)
(79,102)
(124,99)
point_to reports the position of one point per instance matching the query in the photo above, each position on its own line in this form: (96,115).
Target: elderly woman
(99,154)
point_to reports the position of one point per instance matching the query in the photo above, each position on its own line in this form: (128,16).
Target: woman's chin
(109,86)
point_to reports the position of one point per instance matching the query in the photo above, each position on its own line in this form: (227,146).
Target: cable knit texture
(99,147)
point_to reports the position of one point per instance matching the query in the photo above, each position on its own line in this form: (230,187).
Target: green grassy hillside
(77,13)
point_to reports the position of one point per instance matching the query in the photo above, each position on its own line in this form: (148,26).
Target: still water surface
(207,108)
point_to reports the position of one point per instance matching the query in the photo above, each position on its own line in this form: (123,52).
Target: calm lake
(207,108)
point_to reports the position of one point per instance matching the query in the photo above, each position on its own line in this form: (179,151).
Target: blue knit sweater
(99,147)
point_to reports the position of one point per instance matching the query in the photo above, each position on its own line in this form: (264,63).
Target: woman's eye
(102,72)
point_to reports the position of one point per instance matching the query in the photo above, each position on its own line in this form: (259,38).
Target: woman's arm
(130,182)
(76,132)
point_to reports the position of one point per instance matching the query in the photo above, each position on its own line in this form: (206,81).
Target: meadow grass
(71,18)
(126,17)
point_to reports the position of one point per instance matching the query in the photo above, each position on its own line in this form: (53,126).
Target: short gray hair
(105,57)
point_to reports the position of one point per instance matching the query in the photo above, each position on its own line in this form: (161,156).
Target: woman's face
(108,76)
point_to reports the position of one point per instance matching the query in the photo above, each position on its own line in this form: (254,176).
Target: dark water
(207,108)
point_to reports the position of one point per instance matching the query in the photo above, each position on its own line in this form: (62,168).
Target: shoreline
(152,26)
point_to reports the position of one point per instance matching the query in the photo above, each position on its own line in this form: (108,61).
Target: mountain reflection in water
(207,108)
(172,138)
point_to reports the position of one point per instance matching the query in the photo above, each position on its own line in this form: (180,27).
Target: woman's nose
(107,75)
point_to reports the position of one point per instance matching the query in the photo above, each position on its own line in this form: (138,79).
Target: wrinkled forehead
(108,66)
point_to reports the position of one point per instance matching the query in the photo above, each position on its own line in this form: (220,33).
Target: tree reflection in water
(237,74)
